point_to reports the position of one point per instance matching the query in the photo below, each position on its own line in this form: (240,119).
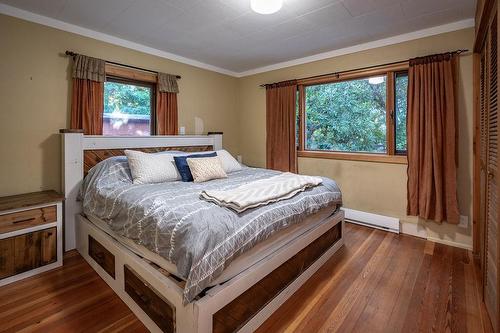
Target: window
(362,117)
(400,100)
(128,107)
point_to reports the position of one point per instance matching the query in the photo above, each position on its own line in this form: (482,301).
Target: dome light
(266,6)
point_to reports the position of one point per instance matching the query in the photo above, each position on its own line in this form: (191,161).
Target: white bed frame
(196,317)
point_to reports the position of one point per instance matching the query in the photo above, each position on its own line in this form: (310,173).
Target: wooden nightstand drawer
(27,218)
(30,234)
(27,251)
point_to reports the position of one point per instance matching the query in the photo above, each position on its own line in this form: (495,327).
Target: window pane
(347,116)
(401,93)
(127,109)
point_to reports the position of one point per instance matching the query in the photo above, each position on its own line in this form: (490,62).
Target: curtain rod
(354,70)
(74,54)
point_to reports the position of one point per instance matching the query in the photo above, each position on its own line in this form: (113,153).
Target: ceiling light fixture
(266,6)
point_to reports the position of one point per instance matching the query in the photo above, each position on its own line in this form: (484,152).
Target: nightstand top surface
(29,199)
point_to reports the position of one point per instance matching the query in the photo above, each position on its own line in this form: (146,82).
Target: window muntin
(347,116)
(128,108)
(400,109)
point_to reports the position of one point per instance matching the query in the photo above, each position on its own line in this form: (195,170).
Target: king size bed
(182,263)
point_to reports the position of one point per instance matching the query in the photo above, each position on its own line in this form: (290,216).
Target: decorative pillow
(151,168)
(229,163)
(206,168)
(183,167)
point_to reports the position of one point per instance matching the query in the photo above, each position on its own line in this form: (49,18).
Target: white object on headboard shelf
(74,145)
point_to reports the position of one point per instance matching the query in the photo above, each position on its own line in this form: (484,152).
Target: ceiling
(228,35)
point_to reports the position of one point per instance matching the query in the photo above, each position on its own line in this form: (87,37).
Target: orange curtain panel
(431,130)
(166,105)
(87,100)
(281,150)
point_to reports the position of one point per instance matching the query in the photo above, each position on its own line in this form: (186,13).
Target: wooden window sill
(364,157)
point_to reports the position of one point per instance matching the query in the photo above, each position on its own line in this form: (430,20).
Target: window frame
(124,75)
(390,156)
(398,152)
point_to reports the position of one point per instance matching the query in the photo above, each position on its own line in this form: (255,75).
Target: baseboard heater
(372,220)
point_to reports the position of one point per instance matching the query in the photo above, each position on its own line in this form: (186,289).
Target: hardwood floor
(383,282)
(379,282)
(72,298)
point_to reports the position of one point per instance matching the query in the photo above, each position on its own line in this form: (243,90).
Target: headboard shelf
(81,152)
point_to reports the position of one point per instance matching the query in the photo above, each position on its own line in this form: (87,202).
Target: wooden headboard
(94,156)
(81,152)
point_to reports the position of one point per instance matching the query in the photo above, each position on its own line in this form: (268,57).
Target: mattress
(239,264)
(199,237)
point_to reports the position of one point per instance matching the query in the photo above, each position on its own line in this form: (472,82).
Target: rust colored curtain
(87,105)
(87,100)
(431,131)
(166,105)
(281,152)
(166,114)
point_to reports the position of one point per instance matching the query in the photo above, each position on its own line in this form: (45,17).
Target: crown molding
(459,25)
(61,25)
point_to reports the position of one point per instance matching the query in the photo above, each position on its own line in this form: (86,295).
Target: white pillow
(229,163)
(151,168)
(206,168)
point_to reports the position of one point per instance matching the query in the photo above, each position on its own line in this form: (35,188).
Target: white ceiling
(228,35)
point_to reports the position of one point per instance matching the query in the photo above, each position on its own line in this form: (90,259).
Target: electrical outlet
(464,222)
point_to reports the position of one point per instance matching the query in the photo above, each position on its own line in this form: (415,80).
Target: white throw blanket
(261,192)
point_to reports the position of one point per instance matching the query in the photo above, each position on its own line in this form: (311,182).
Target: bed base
(241,304)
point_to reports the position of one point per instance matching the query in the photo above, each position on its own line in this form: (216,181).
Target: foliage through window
(346,116)
(401,93)
(128,108)
(356,115)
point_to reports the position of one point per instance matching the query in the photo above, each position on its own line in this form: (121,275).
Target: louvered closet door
(483,152)
(492,206)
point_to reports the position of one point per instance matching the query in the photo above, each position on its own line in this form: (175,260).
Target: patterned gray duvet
(199,237)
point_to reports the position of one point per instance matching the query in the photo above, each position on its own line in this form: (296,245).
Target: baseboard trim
(450,243)
(371,220)
(393,224)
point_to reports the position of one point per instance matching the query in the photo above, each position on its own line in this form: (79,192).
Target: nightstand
(30,235)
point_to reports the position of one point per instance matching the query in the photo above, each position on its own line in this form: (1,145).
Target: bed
(183,264)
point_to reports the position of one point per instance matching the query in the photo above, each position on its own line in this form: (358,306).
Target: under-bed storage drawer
(238,312)
(27,218)
(149,300)
(25,252)
(102,256)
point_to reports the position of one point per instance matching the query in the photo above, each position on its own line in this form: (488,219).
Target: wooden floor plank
(384,296)
(378,282)
(353,303)
(457,311)
(436,298)
(402,302)
(303,301)
(316,312)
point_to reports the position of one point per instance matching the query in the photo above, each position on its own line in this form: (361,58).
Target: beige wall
(34,105)
(34,99)
(372,187)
